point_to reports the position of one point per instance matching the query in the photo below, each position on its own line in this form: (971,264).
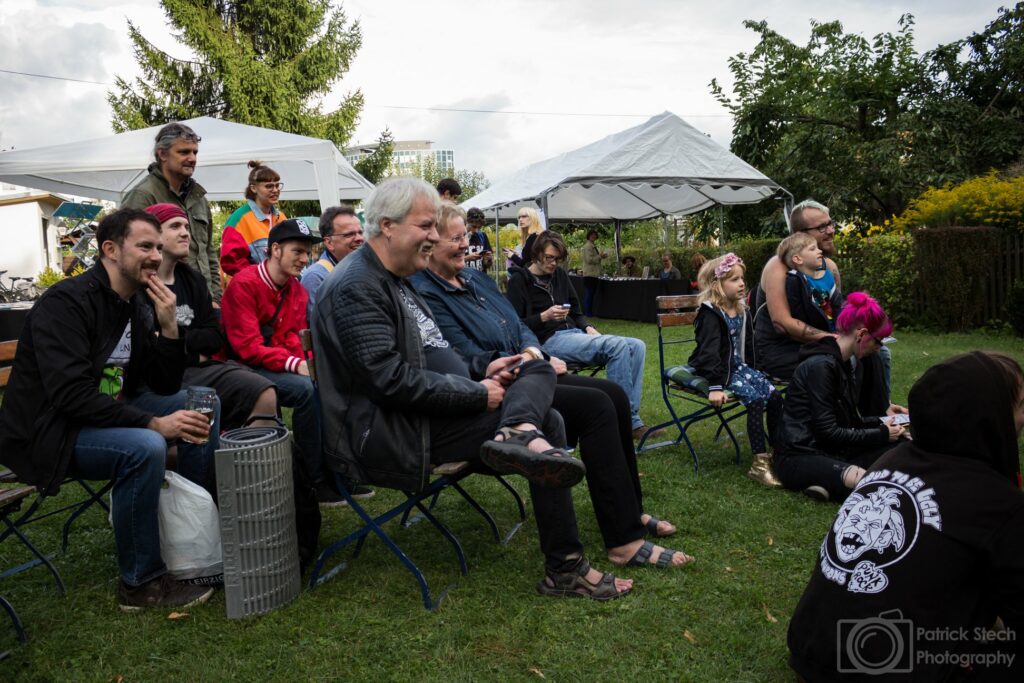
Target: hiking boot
(638,433)
(762,472)
(817,493)
(161,592)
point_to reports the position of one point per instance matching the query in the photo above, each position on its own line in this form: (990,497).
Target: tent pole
(497,245)
(618,242)
(721,228)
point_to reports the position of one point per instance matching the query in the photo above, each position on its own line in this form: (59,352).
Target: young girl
(725,340)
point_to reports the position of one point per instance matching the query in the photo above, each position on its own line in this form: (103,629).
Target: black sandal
(574,584)
(642,557)
(555,468)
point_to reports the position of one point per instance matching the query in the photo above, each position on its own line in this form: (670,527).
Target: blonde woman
(529,227)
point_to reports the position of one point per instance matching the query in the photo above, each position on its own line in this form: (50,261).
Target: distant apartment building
(407,155)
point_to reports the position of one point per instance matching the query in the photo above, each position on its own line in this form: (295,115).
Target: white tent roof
(106,168)
(663,166)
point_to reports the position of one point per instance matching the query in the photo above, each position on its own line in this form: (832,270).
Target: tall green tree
(865,125)
(471,182)
(259,62)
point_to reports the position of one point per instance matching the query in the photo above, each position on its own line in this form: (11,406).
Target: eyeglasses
(178,135)
(548,258)
(271,186)
(345,235)
(456,240)
(823,228)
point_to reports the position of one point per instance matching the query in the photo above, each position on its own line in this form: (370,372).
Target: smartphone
(566,306)
(898,419)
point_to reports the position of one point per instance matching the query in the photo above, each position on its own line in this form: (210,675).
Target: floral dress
(745,382)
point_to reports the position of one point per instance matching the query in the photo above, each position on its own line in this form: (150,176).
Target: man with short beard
(88,346)
(778,335)
(170,181)
(263,310)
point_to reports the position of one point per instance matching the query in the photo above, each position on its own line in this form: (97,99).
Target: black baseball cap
(292,229)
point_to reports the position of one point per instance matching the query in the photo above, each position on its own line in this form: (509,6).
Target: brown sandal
(574,584)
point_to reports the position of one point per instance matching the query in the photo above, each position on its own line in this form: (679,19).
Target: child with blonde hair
(802,255)
(725,342)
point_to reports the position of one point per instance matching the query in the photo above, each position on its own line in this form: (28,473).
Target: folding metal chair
(679,383)
(445,476)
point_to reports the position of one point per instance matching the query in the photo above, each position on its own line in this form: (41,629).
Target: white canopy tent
(106,168)
(664,166)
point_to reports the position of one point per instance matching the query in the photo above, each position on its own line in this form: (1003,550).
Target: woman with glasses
(824,444)
(477,320)
(244,241)
(529,228)
(546,302)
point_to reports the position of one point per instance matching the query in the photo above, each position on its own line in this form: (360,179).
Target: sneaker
(817,493)
(359,491)
(638,433)
(161,592)
(327,496)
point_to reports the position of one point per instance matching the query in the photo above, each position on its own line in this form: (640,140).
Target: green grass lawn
(723,618)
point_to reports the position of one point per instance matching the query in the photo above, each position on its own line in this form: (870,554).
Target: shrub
(986,200)
(953,265)
(755,253)
(884,266)
(1015,307)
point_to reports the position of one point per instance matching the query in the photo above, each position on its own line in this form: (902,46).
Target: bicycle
(20,289)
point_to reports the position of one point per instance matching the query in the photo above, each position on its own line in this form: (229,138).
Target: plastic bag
(189,530)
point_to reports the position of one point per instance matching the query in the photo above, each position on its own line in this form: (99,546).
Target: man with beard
(263,310)
(778,334)
(170,182)
(88,346)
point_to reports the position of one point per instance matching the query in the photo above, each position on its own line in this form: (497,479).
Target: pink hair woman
(825,445)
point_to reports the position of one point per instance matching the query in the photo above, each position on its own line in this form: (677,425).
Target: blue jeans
(623,358)
(297,392)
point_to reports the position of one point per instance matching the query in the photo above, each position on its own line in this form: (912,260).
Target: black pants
(597,417)
(797,472)
(528,399)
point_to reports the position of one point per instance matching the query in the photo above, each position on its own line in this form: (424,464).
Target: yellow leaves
(177,615)
(768,615)
(689,636)
(536,672)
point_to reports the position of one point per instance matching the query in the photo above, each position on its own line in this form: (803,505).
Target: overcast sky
(604,57)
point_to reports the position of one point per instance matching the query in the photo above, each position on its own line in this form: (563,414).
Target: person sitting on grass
(546,301)
(930,541)
(398,398)
(71,406)
(476,319)
(824,444)
(725,343)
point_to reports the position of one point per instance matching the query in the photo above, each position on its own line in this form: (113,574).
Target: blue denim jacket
(475,318)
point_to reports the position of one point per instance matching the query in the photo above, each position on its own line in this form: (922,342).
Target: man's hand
(556,313)
(495,393)
(559,365)
(165,304)
(592,331)
(895,409)
(303,369)
(717,398)
(181,424)
(499,371)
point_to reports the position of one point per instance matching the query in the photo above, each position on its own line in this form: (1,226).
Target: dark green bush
(885,267)
(1015,308)
(755,253)
(953,267)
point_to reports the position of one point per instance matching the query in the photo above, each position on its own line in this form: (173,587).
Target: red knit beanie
(165,212)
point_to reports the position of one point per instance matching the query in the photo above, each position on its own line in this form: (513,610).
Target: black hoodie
(929,548)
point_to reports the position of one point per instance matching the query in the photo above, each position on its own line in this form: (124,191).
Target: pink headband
(729,261)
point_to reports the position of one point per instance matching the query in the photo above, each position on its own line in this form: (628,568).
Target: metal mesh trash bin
(257,520)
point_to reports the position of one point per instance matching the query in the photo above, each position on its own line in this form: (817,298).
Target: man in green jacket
(170,182)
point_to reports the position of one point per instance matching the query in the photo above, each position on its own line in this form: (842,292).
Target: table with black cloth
(630,299)
(12,319)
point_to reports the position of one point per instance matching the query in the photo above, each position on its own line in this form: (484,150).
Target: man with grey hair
(396,397)
(342,233)
(170,182)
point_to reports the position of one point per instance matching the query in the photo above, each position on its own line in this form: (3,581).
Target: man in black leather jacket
(396,397)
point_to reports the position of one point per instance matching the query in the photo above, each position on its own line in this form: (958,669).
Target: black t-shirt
(441,357)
